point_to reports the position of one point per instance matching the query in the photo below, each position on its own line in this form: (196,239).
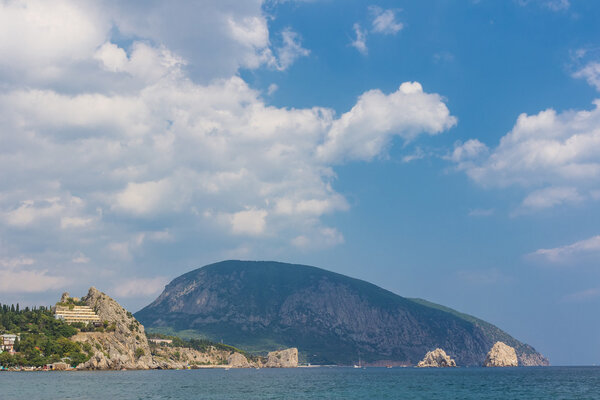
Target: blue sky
(447,150)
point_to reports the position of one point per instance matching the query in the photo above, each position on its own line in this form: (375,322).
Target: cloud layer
(125,139)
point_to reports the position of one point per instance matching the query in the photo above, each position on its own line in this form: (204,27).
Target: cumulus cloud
(363,132)
(40,40)
(554,156)
(571,252)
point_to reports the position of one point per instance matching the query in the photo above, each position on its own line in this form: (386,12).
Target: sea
(308,383)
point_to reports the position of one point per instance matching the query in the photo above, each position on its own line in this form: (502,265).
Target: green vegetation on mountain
(331,318)
(43,339)
(202,345)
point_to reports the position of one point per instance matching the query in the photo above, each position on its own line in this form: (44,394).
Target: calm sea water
(308,383)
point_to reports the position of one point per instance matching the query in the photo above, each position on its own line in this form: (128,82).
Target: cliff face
(125,347)
(332,318)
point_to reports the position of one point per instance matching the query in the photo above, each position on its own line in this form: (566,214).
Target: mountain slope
(330,317)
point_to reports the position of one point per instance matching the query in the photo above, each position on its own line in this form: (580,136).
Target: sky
(447,150)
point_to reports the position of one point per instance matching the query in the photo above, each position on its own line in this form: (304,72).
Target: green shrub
(139,352)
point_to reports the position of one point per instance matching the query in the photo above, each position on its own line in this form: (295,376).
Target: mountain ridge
(330,317)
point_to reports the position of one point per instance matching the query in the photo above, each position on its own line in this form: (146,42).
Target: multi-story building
(7,342)
(72,314)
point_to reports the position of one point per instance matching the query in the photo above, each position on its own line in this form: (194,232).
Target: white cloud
(468,151)
(290,50)
(570,252)
(145,197)
(384,21)
(16,262)
(24,281)
(418,154)
(111,151)
(553,5)
(364,132)
(145,62)
(140,287)
(19,275)
(320,238)
(360,42)
(591,73)
(550,197)
(272,89)
(39,40)
(80,258)
(248,222)
(557,5)
(555,156)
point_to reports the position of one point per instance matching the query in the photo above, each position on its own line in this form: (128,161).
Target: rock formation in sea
(436,359)
(331,318)
(287,358)
(501,355)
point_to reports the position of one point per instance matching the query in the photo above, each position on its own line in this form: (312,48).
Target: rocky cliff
(331,318)
(123,345)
(501,355)
(436,359)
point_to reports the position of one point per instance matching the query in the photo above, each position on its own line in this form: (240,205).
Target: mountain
(332,319)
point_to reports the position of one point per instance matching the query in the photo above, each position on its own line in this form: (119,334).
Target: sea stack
(501,355)
(436,359)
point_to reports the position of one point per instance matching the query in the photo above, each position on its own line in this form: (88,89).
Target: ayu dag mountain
(331,318)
